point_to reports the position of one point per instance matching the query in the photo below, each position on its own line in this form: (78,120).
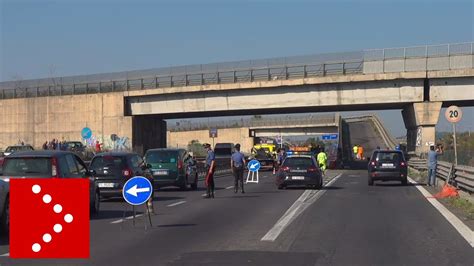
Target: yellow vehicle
(266,146)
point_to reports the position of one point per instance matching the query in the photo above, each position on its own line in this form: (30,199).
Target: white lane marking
(4,255)
(302,203)
(229,187)
(205,194)
(462,229)
(126,218)
(177,203)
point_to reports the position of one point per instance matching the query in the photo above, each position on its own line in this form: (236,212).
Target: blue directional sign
(137,190)
(86,133)
(253,165)
(329,136)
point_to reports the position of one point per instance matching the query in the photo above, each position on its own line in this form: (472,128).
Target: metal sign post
(253,167)
(136,191)
(454,114)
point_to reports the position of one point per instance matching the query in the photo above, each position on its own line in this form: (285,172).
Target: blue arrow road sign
(326,137)
(86,133)
(253,166)
(137,190)
(333,136)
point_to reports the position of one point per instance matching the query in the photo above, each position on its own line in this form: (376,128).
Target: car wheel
(371,181)
(194,185)
(404,182)
(5,222)
(320,185)
(95,206)
(281,186)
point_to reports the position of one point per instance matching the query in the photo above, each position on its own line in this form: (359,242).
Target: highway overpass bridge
(417,80)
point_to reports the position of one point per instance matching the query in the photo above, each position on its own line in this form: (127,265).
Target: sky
(41,39)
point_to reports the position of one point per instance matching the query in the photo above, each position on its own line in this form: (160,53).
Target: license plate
(106,184)
(297,177)
(388,165)
(160,172)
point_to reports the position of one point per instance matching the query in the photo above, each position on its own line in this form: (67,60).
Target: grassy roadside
(463,206)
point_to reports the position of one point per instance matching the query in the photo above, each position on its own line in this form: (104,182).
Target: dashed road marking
(229,187)
(302,203)
(177,203)
(462,229)
(4,255)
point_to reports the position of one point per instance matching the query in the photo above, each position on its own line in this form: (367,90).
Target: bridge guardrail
(282,70)
(462,176)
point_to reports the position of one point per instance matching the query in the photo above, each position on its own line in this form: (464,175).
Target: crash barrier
(462,176)
(222,167)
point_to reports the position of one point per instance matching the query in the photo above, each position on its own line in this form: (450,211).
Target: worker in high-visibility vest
(360,153)
(322,159)
(355,149)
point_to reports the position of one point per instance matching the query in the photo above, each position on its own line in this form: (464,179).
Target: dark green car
(172,167)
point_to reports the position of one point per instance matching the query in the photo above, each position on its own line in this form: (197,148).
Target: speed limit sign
(453,114)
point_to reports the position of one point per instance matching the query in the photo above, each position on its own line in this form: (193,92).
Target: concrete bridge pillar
(148,132)
(420,121)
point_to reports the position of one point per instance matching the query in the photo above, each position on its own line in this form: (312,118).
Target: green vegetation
(464,205)
(196,148)
(465,147)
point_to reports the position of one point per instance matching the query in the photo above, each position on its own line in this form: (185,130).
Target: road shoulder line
(462,229)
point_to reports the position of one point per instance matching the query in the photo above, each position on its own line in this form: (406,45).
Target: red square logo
(49,218)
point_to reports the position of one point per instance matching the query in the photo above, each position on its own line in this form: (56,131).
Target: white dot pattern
(58,228)
(36,247)
(58,208)
(68,218)
(36,189)
(47,198)
(47,238)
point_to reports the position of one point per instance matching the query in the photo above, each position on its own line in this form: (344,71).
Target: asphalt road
(350,223)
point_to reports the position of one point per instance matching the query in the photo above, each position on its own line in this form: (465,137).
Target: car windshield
(298,162)
(161,157)
(222,151)
(115,162)
(388,157)
(18,148)
(32,167)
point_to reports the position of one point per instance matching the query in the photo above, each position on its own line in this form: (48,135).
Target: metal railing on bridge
(286,68)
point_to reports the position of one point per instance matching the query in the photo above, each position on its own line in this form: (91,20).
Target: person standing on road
(280,157)
(360,153)
(210,167)
(98,147)
(433,163)
(322,159)
(355,150)
(237,163)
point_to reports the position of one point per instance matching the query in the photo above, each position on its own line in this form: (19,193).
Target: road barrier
(462,176)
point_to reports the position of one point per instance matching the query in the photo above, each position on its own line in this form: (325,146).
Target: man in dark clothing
(237,163)
(210,167)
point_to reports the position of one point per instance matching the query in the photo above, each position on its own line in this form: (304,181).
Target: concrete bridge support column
(148,132)
(420,121)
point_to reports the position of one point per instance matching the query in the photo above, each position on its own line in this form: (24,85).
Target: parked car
(15,148)
(172,167)
(43,164)
(387,166)
(113,169)
(299,170)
